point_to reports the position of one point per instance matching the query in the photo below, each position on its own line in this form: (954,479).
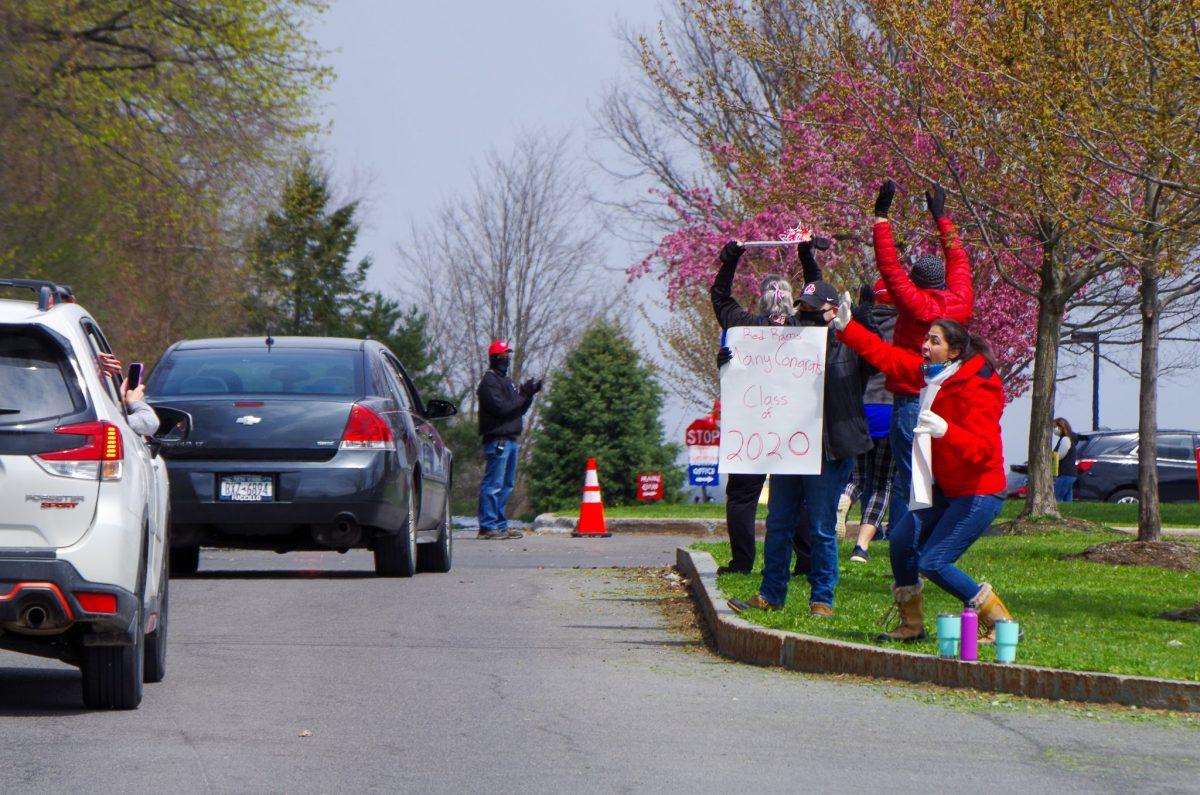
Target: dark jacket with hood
(845,433)
(501,406)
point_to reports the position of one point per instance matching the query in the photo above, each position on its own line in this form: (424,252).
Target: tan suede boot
(911,606)
(990,609)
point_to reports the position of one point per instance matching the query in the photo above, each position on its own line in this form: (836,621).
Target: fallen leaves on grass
(1159,554)
(1034,525)
(1190,614)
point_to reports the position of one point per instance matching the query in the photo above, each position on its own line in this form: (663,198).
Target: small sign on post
(703,439)
(650,486)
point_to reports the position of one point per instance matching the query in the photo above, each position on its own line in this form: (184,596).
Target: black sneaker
(731,570)
(513,534)
(492,535)
(860,555)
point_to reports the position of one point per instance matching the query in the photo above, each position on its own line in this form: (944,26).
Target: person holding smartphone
(138,413)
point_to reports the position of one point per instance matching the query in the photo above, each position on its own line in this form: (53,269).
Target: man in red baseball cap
(501,407)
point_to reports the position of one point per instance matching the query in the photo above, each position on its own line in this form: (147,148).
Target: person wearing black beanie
(932,290)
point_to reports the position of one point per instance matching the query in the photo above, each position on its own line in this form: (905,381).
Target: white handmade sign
(772,400)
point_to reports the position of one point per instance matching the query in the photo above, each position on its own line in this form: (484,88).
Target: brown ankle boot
(910,605)
(990,609)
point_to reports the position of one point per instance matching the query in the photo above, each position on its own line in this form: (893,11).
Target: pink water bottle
(969,645)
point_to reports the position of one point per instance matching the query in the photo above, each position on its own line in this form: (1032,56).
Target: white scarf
(920,493)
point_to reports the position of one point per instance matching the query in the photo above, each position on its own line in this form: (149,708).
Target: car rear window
(36,380)
(290,371)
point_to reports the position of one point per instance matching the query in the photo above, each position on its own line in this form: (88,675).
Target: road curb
(553,523)
(738,639)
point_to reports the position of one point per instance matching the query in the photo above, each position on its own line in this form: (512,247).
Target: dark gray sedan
(305,443)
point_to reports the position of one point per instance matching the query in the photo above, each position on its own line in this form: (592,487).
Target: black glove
(883,202)
(526,387)
(866,293)
(936,202)
(819,243)
(732,253)
(538,384)
(724,357)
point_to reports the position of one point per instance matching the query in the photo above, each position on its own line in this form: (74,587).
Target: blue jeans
(789,495)
(905,409)
(928,541)
(1064,488)
(499,477)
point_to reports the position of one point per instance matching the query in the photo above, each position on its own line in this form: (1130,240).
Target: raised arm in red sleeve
(896,363)
(960,303)
(910,300)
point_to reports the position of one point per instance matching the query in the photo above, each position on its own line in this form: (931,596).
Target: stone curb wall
(740,640)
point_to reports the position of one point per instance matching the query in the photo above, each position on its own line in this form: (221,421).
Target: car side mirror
(440,409)
(174,426)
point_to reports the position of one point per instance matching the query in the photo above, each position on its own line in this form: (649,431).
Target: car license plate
(247,488)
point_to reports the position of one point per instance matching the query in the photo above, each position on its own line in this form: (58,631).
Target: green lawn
(1179,514)
(1076,615)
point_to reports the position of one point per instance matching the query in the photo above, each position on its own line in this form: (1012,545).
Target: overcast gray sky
(424,89)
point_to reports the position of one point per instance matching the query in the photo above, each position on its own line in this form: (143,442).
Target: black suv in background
(1107,463)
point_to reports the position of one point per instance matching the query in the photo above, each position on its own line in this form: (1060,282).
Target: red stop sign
(703,433)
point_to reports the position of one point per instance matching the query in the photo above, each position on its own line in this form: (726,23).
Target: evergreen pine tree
(604,403)
(302,280)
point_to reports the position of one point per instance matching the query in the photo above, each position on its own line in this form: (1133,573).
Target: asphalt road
(517,672)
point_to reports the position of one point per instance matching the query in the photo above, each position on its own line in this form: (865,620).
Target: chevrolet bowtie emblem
(249,419)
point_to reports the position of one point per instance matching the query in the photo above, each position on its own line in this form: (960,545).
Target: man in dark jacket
(501,407)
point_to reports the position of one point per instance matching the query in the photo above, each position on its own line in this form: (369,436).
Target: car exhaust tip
(345,532)
(35,616)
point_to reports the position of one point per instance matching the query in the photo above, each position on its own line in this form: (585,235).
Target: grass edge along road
(1075,615)
(1174,514)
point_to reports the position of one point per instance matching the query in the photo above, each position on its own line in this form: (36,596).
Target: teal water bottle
(1008,632)
(949,630)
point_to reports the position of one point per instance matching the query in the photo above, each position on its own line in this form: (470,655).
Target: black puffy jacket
(845,432)
(501,407)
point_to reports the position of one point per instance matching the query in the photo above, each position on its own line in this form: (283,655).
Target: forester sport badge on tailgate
(54,500)
(249,419)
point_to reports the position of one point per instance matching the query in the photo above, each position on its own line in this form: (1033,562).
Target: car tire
(1124,496)
(396,555)
(185,560)
(156,641)
(438,556)
(112,675)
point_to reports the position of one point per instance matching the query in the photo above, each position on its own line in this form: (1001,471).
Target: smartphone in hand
(134,379)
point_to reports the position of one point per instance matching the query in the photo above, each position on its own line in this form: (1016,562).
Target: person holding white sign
(844,435)
(957,463)
(775,308)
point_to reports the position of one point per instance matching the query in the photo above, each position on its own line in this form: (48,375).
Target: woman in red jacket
(958,468)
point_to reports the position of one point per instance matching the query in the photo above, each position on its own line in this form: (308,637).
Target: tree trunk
(1149,517)
(1040,499)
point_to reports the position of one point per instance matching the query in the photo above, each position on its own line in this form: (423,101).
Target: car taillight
(1084,464)
(99,458)
(97,602)
(366,430)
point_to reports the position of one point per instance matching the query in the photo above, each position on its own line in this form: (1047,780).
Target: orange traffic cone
(591,512)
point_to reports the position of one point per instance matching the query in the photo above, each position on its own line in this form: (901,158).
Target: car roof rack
(48,293)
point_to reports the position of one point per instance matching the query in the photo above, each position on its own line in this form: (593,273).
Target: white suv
(83,504)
